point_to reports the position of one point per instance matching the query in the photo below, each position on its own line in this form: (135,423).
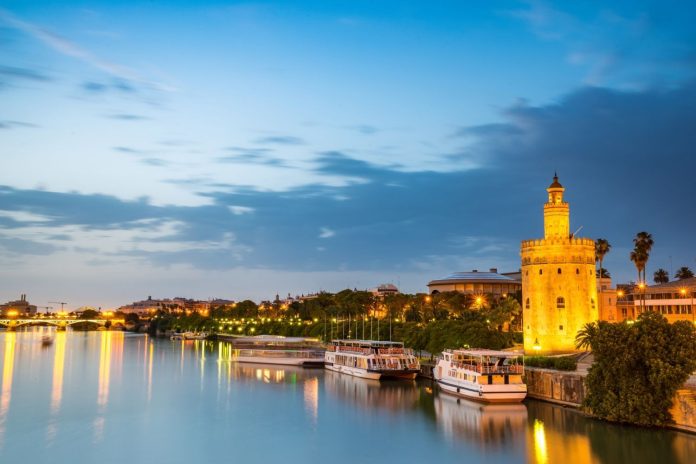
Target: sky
(238,150)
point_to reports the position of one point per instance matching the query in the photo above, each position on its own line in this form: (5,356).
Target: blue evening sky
(236,150)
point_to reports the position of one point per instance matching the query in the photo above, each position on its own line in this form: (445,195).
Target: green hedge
(563,363)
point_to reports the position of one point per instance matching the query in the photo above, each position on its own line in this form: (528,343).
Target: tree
(684,273)
(643,243)
(661,276)
(503,312)
(89,314)
(637,367)
(602,272)
(602,247)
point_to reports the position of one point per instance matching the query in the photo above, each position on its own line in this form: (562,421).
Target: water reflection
(105,388)
(488,426)
(372,395)
(7,375)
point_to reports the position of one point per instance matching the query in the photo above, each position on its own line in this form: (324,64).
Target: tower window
(560,327)
(560,302)
(526,304)
(577,271)
(541,271)
(592,302)
(559,270)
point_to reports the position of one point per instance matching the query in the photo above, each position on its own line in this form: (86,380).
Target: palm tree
(643,243)
(661,276)
(586,335)
(602,247)
(684,273)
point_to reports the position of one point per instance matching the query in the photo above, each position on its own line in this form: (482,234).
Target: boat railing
(483,369)
(282,353)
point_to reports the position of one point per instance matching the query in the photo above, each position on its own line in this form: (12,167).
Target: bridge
(61,323)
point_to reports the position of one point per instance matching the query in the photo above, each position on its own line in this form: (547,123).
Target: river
(115,397)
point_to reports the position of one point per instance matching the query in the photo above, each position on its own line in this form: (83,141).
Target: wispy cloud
(14,124)
(73,50)
(279,140)
(128,117)
(22,73)
(325,232)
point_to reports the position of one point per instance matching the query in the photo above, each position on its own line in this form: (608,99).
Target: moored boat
(189,336)
(276,349)
(482,375)
(372,359)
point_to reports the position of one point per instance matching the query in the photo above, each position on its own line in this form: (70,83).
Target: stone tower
(559,289)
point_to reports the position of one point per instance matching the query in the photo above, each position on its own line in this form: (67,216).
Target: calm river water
(113,397)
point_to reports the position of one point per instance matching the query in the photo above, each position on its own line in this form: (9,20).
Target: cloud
(23,73)
(123,74)
(259,156)
(325,232)
(16,124)
(279,140)
(630,49)
(365,129)
(128,117)
(239,210)
(626,159)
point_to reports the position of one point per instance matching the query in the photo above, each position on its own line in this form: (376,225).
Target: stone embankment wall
(561,387)
(568,388)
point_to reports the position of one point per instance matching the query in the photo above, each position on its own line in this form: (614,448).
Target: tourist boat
(371,359)
(276,349)
(481,375)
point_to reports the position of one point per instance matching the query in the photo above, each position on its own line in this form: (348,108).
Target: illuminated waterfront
(119,397)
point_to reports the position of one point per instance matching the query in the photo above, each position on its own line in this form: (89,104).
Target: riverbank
(568,389)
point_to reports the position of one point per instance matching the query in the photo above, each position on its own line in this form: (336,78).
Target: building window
(592,302)
(577,271)
(560,327)
(559,270)
(526,303)
(560,302)
(541,271)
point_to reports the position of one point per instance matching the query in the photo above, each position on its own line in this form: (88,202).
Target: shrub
(562,363)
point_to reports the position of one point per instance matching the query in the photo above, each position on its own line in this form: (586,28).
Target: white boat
(481,375)
(276,349)
(371,359)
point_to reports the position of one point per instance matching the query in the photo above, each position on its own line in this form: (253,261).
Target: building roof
(555,183)
(475,277)
(673,286)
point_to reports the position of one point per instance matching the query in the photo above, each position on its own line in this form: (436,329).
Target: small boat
(482,375)
(276,349)
(46,340)
(372,359)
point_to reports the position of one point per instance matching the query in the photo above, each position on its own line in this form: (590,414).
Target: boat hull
(509,394)
(303,362)
(354,371)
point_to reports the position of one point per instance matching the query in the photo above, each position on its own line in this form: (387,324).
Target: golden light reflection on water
(104,369)
(151,347)
(540,450)
(58,369)
(7,374)
(311,398)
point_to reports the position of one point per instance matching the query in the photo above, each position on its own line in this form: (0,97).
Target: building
(674,300)
(489,283)
(18,307)
(559,287)
(607,298)
(384,290)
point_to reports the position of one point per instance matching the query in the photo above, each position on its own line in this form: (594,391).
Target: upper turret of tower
(555,191)
(556,212)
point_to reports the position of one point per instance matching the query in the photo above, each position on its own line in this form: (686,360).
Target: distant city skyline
(207,149)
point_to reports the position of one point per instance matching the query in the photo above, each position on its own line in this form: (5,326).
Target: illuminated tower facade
(559,288)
